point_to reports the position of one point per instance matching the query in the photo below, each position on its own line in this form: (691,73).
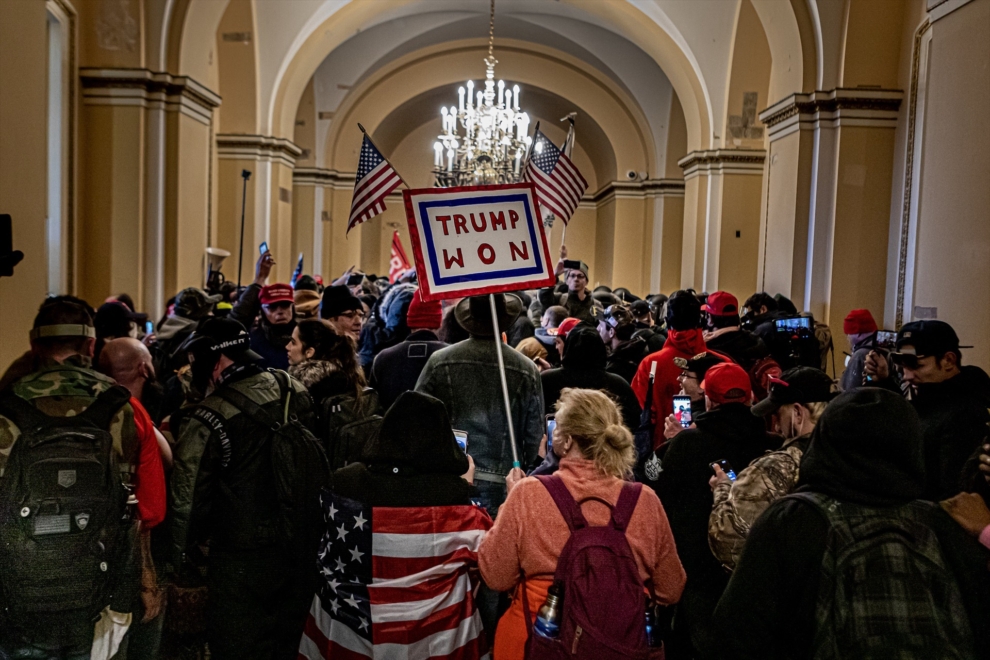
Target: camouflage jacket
(65,389)
(739,503)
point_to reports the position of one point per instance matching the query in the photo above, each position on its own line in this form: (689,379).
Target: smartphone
(724,464)
(793,324)
(149,327)
(571,264)
(263,247)
(887,340)
(354,279)
(551,425)
(461,437)
(682,410)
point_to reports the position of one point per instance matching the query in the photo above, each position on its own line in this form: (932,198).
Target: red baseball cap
(721,303)
(859,321)
(727,383)
(274,293)
(566,326)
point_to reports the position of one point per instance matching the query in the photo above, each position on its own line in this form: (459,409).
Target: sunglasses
(909,360)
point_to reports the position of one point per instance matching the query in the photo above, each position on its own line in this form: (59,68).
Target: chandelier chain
(491,31)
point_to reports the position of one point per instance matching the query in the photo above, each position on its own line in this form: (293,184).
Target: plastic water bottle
(548,618)
(652,633)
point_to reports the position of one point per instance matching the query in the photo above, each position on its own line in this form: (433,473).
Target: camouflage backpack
(886,590)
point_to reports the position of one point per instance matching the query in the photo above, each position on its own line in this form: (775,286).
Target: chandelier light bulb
(515,97)
(460,98)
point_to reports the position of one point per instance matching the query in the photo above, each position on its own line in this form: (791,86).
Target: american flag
(397,583)
(559,185)
(376,178)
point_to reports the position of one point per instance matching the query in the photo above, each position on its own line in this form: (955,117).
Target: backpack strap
(22,414)
(285,392)
(624,507)
(568,508)
(102,411)
(248,407)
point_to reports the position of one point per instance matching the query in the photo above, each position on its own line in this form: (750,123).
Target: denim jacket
(465,377)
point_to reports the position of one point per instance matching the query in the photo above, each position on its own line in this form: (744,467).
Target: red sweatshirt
(680,343)
(148,472)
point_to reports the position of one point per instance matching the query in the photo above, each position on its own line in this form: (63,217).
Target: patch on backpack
(653,468)
(82,519)
(66,478)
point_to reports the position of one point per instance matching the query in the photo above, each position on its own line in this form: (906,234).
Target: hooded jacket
(954,419)
(322,378)
(396,369)
(387,325)
(742,346)
(413,461)
(852,377)
(680,343)
(867,450)
(625,359)
(583,366)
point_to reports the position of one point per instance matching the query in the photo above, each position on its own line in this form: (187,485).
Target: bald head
(128,362)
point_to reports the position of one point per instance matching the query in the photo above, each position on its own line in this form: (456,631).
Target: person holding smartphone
(577,299)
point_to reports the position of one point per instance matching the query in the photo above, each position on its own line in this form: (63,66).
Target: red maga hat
(722,303)
(727,383)
(274,293)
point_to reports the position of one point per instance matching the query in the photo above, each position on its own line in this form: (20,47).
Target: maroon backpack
(603,614)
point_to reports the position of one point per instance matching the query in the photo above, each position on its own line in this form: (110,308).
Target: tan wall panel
(784,232)
(111,201)
(676,139)
(953,259)
(186,202)
(694,190)
(750,72)
(604,243)
(862,214)
(23,182)
(280,228)
(110,33)
(305,131)
(630,240)
(238,69)
(670,247)
(740,212)
(872,43)
(304,214)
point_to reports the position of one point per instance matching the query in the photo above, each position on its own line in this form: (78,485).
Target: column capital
(723,161)
(236,146)
(144,88)
(851,107)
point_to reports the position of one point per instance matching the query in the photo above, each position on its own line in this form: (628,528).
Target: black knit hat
(683,311)
(337,300)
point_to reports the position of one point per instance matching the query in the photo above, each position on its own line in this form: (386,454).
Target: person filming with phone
(268,312)
(951,399)
(797,399)
(727,431)
(578,299)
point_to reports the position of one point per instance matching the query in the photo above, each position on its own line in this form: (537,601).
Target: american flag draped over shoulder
(376,178)
(397,583)
(559,184)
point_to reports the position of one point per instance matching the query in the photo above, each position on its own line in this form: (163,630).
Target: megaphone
(214,260)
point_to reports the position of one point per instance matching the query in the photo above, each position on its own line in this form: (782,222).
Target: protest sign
(477,239)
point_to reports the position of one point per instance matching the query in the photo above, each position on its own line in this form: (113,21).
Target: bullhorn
(214,261)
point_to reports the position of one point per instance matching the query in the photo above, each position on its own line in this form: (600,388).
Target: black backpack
(299,464)
(348,425)
(64,519)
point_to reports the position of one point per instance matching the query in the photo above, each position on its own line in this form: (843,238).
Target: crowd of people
(691,478)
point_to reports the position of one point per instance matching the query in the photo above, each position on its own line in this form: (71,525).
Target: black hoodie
(414,460)
(584,367)
(865,449)
(625,359)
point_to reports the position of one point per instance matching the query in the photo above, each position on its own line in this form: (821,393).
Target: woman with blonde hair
(596,459)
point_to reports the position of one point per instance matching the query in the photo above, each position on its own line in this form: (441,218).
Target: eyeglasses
(909,360)
(688,375)
(353,315)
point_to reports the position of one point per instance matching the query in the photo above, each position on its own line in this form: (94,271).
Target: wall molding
(850,107)
(318,176)
(723,161)
(648,189)
(235,146)
(144,87)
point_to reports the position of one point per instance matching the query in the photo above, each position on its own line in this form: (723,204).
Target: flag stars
(341,532)
(364,623)
(356,554)
(359,521)
(352,601)
(332,511)
(340,565)
(333,583)
(334,606)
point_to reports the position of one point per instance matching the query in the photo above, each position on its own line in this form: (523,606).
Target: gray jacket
(465,377)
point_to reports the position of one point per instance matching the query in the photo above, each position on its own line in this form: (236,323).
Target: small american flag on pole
(397,583)
(376,178)
(559,184)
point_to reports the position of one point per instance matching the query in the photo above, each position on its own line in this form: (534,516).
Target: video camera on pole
(803,348)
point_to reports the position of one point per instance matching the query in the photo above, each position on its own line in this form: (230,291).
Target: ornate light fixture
(485,136)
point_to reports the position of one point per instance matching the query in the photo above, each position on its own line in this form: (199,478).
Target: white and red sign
(477,240)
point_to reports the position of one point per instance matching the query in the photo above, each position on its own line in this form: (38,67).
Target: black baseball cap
(641,308)
(797,385)
(216,336)
(699,364)
(929,338)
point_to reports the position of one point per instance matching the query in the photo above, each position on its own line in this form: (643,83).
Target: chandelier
(484,137)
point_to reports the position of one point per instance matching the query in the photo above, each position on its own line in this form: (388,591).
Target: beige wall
(737,256)
(23,183)
(952,269)
(186,202)
(237,62)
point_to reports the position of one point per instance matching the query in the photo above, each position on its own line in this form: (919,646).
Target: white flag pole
(505,385)
(567,149)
